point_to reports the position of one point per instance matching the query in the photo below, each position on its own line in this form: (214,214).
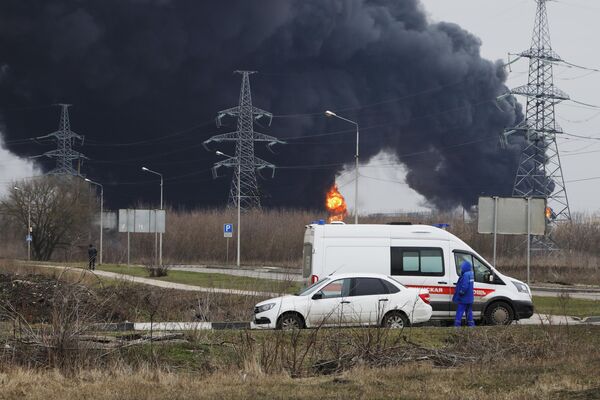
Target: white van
(419,256)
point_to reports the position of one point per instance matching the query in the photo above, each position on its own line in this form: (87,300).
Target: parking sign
(227,230)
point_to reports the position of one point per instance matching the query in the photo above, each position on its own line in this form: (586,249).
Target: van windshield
(311,288)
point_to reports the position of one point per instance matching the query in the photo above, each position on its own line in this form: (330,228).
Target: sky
(503,27)
(147,77)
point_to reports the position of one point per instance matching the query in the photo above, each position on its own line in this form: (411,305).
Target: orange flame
(548,212)
(335,204)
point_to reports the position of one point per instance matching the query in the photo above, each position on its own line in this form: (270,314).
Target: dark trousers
(93,262)
(464,309)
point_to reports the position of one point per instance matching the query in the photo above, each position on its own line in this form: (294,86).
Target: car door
(367,301)
(484,284)
(327,304)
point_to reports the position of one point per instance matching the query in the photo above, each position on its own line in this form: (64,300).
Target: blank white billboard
(510,214)
(142,221)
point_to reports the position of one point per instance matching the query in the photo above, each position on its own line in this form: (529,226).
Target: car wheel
(395,320)
(290,321)
(499,313)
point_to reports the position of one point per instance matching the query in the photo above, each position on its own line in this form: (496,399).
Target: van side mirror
(317,296)
(491,278)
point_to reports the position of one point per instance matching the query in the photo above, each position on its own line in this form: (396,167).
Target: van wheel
(395,320)
(290,321)
(499,313)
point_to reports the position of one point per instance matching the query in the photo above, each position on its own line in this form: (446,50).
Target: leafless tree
(61,210)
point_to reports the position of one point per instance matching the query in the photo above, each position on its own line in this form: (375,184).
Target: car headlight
(521,287)
(264,307)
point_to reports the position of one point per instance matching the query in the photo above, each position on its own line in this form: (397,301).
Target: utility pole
(101,213)
(332,114)
(245,162)
(161,207)
(539,173)
(65,139)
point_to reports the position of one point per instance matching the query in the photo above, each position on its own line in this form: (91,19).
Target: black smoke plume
(138,70)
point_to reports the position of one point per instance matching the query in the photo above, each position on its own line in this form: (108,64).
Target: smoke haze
(137,70)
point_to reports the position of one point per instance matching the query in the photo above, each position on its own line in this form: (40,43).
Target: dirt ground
(33,296)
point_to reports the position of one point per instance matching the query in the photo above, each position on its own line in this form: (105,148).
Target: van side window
(459,258)
(425,261)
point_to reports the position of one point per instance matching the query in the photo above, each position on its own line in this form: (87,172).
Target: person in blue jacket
(463,294)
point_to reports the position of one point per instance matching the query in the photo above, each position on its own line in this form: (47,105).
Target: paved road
(572,294)
(163,284)
(548,319)
(273,273)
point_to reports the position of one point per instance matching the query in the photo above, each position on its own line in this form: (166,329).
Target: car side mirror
(317,296)
(491,278)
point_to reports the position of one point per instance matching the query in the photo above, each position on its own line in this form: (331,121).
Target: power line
(152,140)
(367,105)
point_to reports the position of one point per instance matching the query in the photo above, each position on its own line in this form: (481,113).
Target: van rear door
(307,253)
(424,264)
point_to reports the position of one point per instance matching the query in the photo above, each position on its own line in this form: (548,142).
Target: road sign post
(227,233)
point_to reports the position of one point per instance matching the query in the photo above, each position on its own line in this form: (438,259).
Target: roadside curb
(189,326)
(564,289)
(114,327)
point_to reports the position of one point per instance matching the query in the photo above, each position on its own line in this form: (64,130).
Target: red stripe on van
(450,290)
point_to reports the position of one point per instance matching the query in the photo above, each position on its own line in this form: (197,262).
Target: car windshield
(311,288)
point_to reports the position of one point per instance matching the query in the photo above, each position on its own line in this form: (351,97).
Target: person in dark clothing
(463,295)
(92,253)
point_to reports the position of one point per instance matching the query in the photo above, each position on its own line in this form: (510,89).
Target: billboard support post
(128,247)
(495,226)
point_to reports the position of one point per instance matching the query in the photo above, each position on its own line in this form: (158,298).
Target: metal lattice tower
(540,172)
(64,153)
(245,163)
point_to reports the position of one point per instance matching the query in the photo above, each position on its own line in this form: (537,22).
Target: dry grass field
(49,349)
(506,363)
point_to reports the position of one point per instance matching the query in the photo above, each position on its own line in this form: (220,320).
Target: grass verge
(565,305)
(212,280)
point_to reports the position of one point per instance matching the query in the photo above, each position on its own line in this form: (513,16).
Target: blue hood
(464,267)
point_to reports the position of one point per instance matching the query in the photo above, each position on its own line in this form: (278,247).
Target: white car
(345,300)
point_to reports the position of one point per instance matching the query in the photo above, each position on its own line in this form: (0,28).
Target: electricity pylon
(245,163)
(64,153)
(540,172)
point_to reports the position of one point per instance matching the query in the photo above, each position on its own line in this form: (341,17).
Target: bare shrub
(72,309)
(156,270)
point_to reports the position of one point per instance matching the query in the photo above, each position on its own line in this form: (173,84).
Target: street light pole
(239,203)
(28,223)
(101,213)
(332,114)
(161,208)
